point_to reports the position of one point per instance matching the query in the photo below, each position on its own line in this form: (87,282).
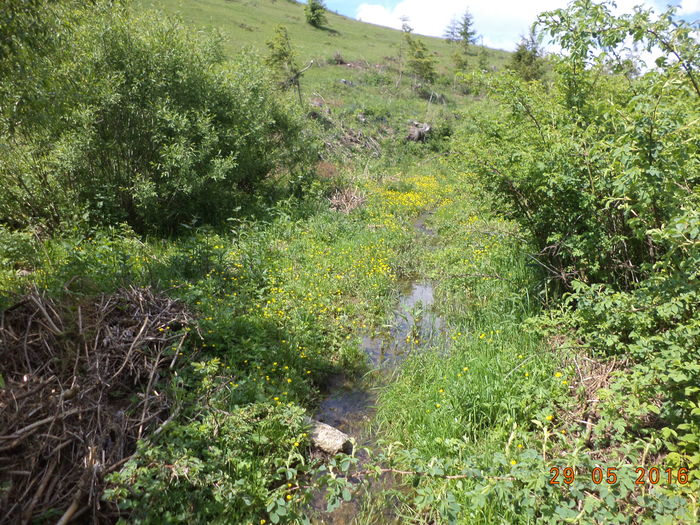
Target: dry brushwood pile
(80,389)
(347,199)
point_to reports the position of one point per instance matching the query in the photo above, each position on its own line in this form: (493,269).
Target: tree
(420,62)
(465,30)
(282,59)
(461,61)
(315,12)
(483,59)
(461,30)
(528,60)
(452,31)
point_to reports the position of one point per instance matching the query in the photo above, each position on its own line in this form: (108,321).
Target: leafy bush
(282,59)
(315,12)
(219,462)
(602,169)
(527,61)
(593,165)
(136,119)
(657,325)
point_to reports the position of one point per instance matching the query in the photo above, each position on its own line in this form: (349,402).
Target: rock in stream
(329,439)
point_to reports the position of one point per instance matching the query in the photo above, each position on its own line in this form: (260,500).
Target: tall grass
(460,403)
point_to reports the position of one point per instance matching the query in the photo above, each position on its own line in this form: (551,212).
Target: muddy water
(349,405)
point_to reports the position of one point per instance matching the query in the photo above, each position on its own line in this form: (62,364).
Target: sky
(500,22)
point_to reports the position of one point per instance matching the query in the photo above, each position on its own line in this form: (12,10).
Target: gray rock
(418,132)
(329,439)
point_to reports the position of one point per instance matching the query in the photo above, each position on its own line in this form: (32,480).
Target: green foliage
(657,326)
(282,59)
(465,30)
(157,132)
(511,485)
(452,31)
(475,424)
(280,304)
(590,172)
(462,31)
(315,12)
(460,60)
(23,30)
(219,463)
(527,61)
(348,36)
(420,62)
(601,168)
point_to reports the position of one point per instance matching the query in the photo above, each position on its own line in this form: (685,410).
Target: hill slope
(251,23)
(366,100)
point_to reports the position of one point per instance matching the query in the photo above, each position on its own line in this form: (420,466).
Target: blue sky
(499,22)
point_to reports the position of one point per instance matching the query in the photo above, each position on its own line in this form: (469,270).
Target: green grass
(460,405)
(493,406)
(280,302)
(251,23)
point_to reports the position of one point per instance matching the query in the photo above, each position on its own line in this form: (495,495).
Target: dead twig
(73,369)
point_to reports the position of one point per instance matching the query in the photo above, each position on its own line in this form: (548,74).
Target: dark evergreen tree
(528,59)
(465,30)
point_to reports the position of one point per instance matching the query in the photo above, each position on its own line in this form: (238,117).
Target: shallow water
(349,405)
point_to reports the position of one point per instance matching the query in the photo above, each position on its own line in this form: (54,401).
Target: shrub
(527,60)
(337,59)
(138,120)
(420,62)
(315,12)
(282,59)
(602,169)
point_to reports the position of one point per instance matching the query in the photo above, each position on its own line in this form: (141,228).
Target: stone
(329,439)
(418,132)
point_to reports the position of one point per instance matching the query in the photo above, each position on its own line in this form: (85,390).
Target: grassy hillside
(251,23)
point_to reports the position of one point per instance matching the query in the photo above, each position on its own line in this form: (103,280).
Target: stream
(349,404)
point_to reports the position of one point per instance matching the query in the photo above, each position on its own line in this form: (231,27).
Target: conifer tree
(528,60)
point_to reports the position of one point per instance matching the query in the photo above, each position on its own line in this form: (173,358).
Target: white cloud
(689,6)
(500,22)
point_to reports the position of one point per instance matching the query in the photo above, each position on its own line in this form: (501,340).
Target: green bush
(602,169)
(420,62)
(315,13)
(528,61)
(218,464)
(657,326)
(591,164)
(123,118)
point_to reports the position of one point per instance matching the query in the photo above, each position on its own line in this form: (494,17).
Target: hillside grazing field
(377,101)
(251,22)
